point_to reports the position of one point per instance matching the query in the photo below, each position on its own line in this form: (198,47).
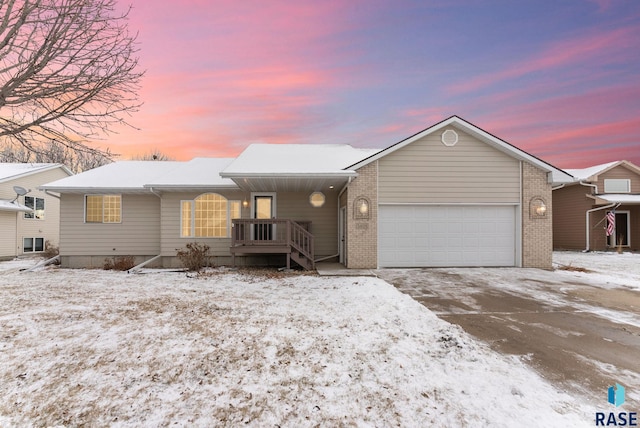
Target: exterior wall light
(316,199)
(361,208)
(245,203)
(537,208)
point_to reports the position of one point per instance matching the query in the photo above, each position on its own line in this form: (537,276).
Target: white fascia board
(95,190)
(188,187)
(290,174)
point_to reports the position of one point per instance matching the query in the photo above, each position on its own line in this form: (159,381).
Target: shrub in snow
(119,263)
(194,256)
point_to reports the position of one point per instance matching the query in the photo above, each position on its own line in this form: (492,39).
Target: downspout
(557,187)
(613,205)
(47,192)
(595,187)
(141,265)
(595,192)
(152,191)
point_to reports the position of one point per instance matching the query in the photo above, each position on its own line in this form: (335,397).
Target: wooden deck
(274,236)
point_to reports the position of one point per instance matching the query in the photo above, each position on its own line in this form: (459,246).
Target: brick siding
(362,235)
(537,233)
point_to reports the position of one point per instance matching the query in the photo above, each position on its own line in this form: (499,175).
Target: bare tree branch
(68,72)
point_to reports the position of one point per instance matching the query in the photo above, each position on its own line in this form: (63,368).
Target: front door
(263,208)
(621,229)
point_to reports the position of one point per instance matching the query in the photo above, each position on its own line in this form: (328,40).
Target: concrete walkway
(338,269)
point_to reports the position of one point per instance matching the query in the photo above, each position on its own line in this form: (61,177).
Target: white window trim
(617,182)
(33,244)
(35,204)
(101,222)
(192,233)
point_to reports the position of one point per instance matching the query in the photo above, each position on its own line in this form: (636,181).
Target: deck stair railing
(274,236)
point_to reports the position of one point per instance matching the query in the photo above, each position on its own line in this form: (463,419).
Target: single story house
(29,218)
(450,195)
(600,209)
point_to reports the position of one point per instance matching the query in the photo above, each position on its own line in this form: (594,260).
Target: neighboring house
(581,208)
(451,195)
(28,221)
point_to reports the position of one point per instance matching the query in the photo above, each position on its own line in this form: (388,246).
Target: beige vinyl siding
(619,172)
(324,220)
(47,228)
(8,246)
(427,171)
(290,205)
(170,223)
(137,234)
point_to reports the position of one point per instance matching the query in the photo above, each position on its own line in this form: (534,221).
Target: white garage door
(446,235)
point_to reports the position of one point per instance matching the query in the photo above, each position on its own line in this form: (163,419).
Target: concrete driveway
(579,330)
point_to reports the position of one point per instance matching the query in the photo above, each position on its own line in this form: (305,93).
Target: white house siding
(427,171)
(48,228)
(138,234)
(8,246)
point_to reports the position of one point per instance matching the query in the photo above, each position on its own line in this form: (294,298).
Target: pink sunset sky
(560,80)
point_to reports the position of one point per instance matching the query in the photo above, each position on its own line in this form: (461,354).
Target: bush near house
(119,263)
(194,256)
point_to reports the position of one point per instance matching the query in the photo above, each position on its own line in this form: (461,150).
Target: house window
(103,208)
(208,216)
(37,205)
(30,245)
(617,185)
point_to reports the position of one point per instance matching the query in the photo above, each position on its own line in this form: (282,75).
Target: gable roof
(295,159)
(591,173)
(13,171)
(558,175)
(294,167)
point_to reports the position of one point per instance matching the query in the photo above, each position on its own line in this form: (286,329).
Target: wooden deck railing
(274,236)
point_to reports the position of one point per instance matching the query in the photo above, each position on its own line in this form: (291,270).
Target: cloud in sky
(556,81)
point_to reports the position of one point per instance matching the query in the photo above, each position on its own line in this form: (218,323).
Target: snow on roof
(584,173)
(198,172)
(9,171)
(288,159)
(117,175)
(620,198)
(13,206)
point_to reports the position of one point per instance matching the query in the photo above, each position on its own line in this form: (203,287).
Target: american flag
(611,222)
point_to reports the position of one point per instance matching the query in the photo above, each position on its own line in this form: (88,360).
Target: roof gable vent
(449,138)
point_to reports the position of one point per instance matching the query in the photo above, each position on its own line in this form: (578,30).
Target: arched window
(208,216)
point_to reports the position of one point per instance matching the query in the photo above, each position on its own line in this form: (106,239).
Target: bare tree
(68,72)
(153,155)
(54,152)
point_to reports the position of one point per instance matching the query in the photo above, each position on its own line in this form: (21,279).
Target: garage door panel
(440,236)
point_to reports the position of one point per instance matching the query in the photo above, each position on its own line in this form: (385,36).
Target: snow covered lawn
(97,348)
(604,269)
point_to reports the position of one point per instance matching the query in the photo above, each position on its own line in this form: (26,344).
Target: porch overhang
(624,199)
(290,182)
(13,206)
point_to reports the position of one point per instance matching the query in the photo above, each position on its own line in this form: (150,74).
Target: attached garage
(447,235)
